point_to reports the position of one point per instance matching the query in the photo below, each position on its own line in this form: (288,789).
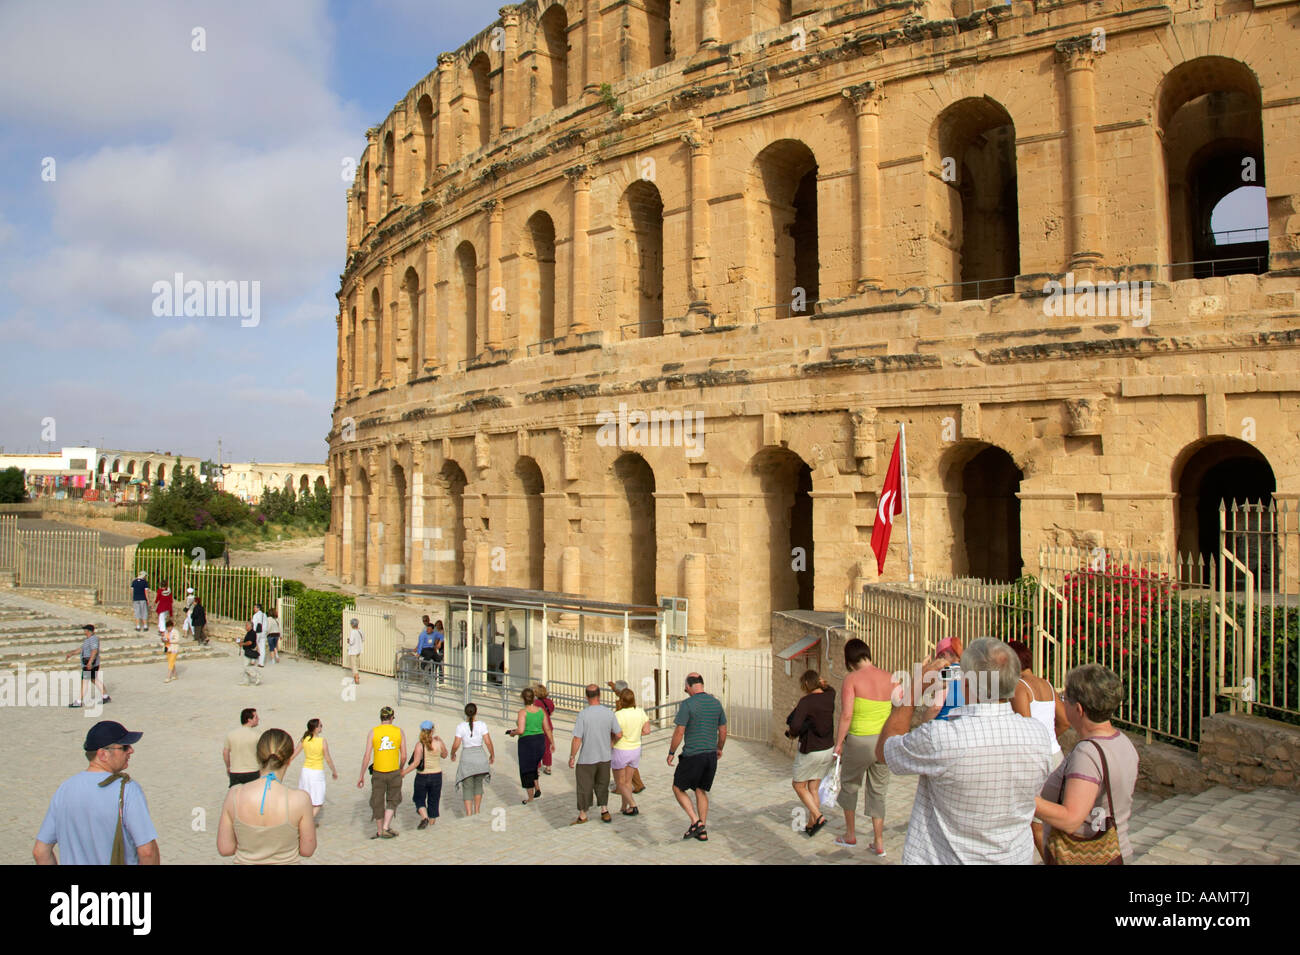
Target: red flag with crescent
(889,506)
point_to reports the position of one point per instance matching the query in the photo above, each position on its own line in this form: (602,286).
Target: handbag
(829,790)
(1101,848)
(420,768)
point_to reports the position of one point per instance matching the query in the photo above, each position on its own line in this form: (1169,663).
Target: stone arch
(395,566)
(288,483)
(631,533)
(360,526)
(476,105)
(449,538)
(388,175)
(641,259)
(377,338)
(304,484)
(464,294)
(162,473)
(785,228)
(783,551)
(532,534)
(1223,471)
(319,484)
(1209,114)
(144,472)
(130,467)
(424,110)
(973,199)
(117,466)
(982,482)
(553,50)
(413,351)
(537,279)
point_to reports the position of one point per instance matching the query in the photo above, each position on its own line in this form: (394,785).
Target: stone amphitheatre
(797,224)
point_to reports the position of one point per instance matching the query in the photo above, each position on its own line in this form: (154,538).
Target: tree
(13,487)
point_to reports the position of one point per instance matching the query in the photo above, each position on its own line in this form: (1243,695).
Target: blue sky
(222,165)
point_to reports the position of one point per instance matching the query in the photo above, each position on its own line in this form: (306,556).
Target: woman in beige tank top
(265,822)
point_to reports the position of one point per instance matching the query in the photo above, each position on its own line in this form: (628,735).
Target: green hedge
(213,543)
(318,623)
(293,588)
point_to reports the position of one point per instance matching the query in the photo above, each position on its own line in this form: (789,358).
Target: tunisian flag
(889,506)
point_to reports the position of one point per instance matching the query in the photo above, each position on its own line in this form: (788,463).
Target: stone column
(346,531)
(570,581)
(446,76)
(508,110)
(371,378)
(698,221)
(495,314)
(579,255)
(342,376)
(709,28)
(591,46)
(357,330)
(865,98)
(388,328)
(1078,56)
(336,520)
(374,518)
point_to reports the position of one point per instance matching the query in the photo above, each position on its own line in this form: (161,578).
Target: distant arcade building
(636,295)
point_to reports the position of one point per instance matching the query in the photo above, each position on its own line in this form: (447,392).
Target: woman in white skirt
(311,779)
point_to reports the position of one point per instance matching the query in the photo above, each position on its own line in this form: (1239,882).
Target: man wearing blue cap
(83,818)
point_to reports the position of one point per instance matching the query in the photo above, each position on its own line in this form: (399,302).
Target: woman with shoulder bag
(426,763)
(1086,803)
(812,723)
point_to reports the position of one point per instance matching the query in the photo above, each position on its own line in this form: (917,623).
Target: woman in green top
(534,733)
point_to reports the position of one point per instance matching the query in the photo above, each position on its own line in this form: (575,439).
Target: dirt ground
(302,559)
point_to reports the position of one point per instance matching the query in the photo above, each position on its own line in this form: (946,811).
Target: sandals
(634,811)
(579,821)
(605,816)
(815,827)
(390,834)
(690,833)
(702,834)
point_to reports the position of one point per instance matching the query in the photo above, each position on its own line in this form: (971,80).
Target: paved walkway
(179,765)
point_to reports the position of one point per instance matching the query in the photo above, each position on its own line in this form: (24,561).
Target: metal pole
(545,644)
(626,672)
(907,504)
(663,662)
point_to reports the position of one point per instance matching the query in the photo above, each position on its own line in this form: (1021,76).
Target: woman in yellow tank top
(316,752)
(866,704)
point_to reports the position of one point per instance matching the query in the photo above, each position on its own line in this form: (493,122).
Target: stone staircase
(40,641)
(1219,825)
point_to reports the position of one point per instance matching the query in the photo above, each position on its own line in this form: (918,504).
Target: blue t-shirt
(82,820)
(138,589)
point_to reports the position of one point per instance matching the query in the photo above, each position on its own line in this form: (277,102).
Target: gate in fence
(1189,635)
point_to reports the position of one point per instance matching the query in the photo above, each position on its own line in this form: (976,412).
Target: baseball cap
(107,733)
(427,725)
(944,646)
(386,713)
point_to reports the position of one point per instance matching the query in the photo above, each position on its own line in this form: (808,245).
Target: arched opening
(465,293)
(787,229)
(412,352)
(162,473)
(304,485)
(974,201)
(130,468)
(1241,218)
(641,219)
(388,174)
(288,483)
(785,10)
(982,482)
(425,110)
(144,472)
(377,338)
(533,533)
(537,280)
(354,372)
(478,101)
(320,484)
(394,571)
(360,527)
(553,75)
(1210,125)
(631,533)
(785,483)
(659,32)
(1234,475)
(449,539)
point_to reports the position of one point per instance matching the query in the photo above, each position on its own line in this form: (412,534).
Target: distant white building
(248,480)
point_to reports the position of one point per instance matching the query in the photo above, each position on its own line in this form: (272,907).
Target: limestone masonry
(640,291)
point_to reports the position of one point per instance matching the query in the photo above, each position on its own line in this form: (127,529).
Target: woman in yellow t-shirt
(627,751)
(311,778)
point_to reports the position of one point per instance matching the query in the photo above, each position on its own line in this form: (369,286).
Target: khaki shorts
(858,758)
(385,792)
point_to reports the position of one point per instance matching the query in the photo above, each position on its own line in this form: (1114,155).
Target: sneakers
(75,706)
(424,824)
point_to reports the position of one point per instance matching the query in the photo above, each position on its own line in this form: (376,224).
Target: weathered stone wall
(786,692)
(465,424)
(1246,751)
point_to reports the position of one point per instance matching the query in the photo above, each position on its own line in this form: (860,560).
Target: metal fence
(1190,636)
(225,591)
(384,641)
(288,615)
(8,542)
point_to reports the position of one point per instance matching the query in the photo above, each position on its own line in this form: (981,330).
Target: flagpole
(907,502)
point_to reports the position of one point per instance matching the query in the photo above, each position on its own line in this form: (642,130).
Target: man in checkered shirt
(979,773)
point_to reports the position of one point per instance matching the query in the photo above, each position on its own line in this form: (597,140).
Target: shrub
(318,623)
(213,543)
(13,489)
(293,588)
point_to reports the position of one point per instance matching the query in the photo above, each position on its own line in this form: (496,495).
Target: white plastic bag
(829,790)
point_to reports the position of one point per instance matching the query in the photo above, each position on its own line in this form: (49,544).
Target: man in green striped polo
(701,732)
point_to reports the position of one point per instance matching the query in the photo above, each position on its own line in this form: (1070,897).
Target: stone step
(1168,816)
(130,658)
(1255,827)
